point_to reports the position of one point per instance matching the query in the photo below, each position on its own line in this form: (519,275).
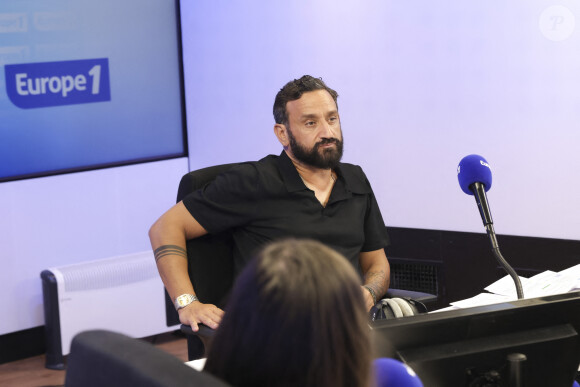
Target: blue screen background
(142,121)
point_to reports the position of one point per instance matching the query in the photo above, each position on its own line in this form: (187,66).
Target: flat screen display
(88,84)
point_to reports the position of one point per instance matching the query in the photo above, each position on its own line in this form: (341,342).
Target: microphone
(474,175)
(394,373)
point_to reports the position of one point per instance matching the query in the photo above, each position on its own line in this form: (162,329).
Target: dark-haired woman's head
(295,317)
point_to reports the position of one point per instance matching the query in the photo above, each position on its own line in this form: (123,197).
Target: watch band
(184,300)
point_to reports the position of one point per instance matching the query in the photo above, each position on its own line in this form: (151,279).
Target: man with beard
(306,192)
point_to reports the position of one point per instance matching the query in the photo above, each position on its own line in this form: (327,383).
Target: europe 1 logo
(35,85)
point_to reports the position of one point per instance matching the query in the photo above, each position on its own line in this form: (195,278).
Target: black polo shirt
(267,200)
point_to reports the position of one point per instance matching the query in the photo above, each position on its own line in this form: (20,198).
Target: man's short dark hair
(293,90)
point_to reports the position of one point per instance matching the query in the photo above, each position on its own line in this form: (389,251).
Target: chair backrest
(104,358)
(211,267)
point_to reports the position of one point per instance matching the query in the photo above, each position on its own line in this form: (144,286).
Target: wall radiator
(123,294)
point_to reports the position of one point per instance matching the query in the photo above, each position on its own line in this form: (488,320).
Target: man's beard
(329,158)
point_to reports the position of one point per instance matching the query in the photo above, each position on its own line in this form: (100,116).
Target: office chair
(104,358)
(213,278)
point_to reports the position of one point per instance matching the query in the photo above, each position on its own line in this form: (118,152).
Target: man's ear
(282,134)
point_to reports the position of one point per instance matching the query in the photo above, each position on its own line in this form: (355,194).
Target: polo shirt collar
(352,182)
(355,183)
(289,173)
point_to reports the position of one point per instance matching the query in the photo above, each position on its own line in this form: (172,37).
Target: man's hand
(198,313)
(369,302)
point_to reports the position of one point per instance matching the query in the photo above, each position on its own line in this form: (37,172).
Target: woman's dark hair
(295,318)
(293,90)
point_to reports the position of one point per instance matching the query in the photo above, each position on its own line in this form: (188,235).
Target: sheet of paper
(546,283)
(573,271)
(196,364)
(505,286)
(550,283)
(483,299)
(444,309)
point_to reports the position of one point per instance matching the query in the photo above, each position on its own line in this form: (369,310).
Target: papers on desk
(547,283)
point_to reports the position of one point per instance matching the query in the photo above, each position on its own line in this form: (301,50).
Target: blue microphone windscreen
(393,373)
(472,169)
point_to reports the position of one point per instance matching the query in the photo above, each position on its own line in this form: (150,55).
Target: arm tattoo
(166,250)
(377,281)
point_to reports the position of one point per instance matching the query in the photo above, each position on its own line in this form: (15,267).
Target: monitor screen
(468,347)
(88,84)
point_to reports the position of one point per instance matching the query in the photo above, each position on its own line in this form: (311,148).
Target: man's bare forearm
(168,240)
(378,281)
(376,272)
(172,265)
(168,237)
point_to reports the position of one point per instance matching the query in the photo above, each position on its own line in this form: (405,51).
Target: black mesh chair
(104,358)
(210,265)
(211,271)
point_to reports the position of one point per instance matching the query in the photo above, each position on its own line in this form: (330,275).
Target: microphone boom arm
(483,205)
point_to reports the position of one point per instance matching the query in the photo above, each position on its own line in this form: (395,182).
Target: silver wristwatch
(184,300)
